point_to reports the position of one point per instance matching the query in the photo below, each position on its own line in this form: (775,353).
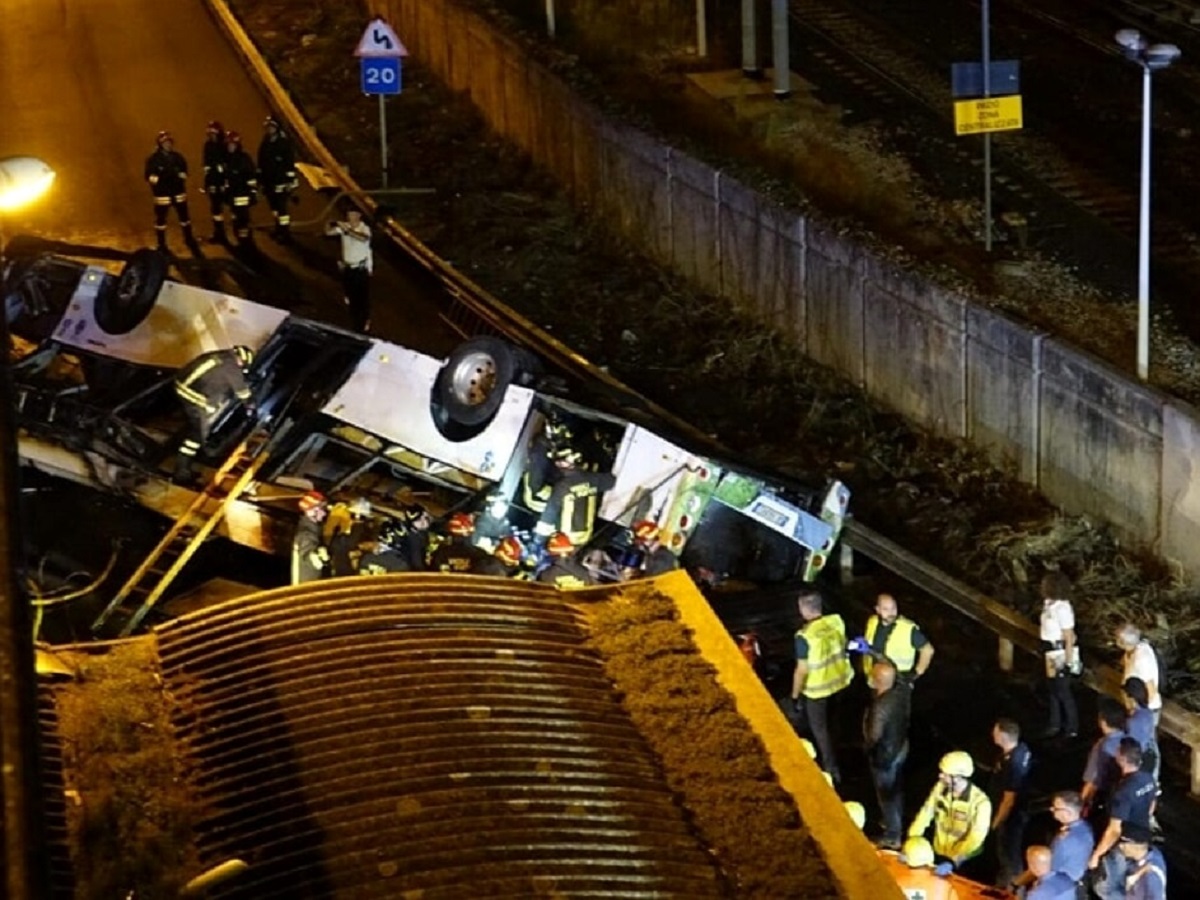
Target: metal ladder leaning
(150,581)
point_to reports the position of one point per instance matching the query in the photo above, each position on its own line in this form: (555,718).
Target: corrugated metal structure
(61,874)
(439,735)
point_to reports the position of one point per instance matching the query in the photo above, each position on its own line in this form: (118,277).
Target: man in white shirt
(356,265)
(1140,661)
(1060,654)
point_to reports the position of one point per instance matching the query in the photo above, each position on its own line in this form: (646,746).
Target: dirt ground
(506,225)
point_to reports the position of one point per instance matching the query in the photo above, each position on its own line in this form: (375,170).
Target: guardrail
(472,310)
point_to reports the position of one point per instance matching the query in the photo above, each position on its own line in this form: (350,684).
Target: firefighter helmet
(390,534)
(856,812)
(215,127)
(917,852)
(244,355)
(163,137)
(311,500)
(232,137)
(645,530)
(957,762)
(509,551)
(559,545)
(360,507)
(566,456)
(412,514)
(461,524)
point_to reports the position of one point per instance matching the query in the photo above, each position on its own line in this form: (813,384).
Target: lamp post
(23,179)
(1151,57)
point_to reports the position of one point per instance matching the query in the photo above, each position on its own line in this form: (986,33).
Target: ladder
(159,569)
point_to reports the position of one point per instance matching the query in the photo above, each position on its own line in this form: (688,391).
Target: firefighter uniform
(573,505)
(277,172)
(208,386)
(215,158)
(241,187)
(458,555)
(566,573)
(388,555)
(166,172)
(309,556)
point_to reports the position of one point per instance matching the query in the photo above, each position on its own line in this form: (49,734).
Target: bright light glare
(498,509)
(23,179)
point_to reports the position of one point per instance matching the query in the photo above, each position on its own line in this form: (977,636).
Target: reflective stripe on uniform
(899,646)
(828,666)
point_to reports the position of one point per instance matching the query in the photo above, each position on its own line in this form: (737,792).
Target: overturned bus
(93,362)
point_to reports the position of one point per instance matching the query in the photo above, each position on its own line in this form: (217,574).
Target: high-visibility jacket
(573,505)
(212,380)
(828,665)
(960,824)
(919,882)
(566,574)
(898,648)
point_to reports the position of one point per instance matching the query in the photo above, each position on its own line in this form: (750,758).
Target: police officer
(309,556)
(574,499)
(1045,883)
(1072,846)
(822,671)
(564,570)
(166,172)
(1146,877)
(215,156)
(458,554)
(241,188)
(277,172)
(386,555)
(356,264)
(1132,803)
(958,810)
(1009,792)
(208,386)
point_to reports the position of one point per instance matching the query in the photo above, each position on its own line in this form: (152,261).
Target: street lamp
(1151,57)
(23,179)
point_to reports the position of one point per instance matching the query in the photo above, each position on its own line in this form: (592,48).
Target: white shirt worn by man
(1142,662)
(356,243)
(1057,616)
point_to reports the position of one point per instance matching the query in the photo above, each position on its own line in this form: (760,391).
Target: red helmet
(509,551)
(645,530)
(559,545)
(462,524)
(163,137)
(215,127)
(311,500)
(233,137)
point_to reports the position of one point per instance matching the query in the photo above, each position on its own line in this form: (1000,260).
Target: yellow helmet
(856,812)
(917,852)
(809,748)
(957,762)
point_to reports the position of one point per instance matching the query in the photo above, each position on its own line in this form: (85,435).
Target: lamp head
(1130,40)
(23,179)
(1159,56)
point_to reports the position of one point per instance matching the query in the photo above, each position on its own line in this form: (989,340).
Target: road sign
(987,114)
(966,78)
(379,40)
(380,75)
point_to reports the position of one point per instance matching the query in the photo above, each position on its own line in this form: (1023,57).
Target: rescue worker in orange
(913,871)
(207,387)
(166,172)
(457,554)
(959,811)
(564,571)
(822,671)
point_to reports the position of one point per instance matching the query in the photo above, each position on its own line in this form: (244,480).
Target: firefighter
(822,671)
(277,172)
(959,811)
(574,500)
(655,557)
(538,480)
(458,554)
(345,532)
(564,570)
(413,541)
(505,561)
(386,555)
(309,556)
(166,171)
(209,386)
(241,187)
(215,158)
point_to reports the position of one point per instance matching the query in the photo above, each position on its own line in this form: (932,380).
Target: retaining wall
(1091,439)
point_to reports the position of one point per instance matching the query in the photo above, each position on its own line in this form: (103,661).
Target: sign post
(379,52)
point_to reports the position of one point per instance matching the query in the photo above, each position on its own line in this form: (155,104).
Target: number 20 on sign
(987,114)
(380,75)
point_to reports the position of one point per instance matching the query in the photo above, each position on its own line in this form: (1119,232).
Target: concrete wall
(1092,440)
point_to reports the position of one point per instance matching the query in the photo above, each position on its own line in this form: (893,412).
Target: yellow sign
(987,114)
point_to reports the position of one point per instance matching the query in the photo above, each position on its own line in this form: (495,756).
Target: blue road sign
(380,75)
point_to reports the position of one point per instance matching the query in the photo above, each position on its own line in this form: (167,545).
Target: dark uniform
(241,187)
(1012,775)
(342,545)
(166,171)
(573,505)
(458,555)
(566,572)
(215,159)
(309,556)
(277,171)
(388,556)
(208,386)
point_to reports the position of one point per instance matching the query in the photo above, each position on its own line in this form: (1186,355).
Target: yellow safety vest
(960,824)
(828,666)
(898,647)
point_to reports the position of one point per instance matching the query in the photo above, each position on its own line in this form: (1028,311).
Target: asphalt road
(89,85)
